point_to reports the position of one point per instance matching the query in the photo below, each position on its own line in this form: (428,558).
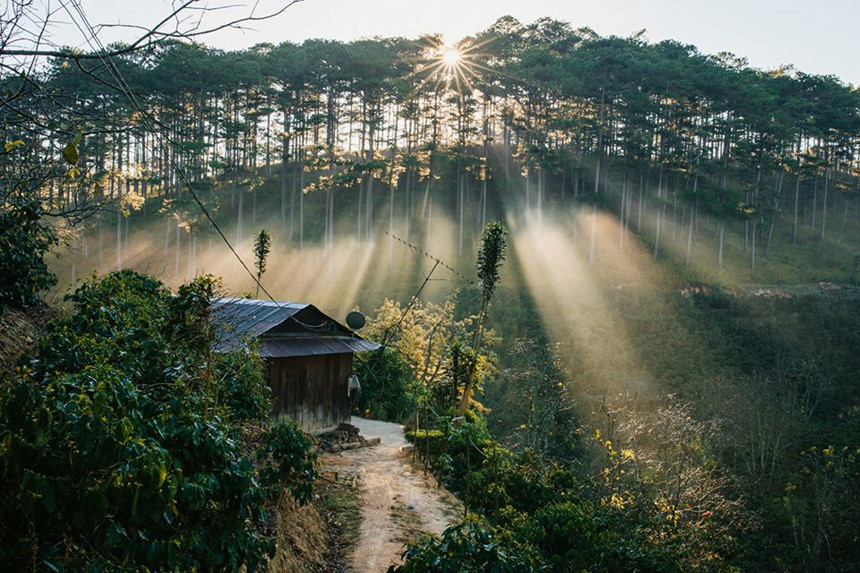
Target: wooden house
(308,356)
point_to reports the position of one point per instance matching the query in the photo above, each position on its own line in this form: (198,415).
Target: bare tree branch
(184,22)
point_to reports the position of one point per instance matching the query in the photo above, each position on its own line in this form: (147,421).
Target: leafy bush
(570,525)
(454,451)
(245,392)
(116,452)
(567,534)
(530,402)
(820,505)
(430,443)
(388,391)
(288,460)
(24,241)
(472,546)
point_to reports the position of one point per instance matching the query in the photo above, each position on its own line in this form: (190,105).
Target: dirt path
(399,502)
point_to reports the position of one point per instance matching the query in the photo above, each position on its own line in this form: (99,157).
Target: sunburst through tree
(452,66)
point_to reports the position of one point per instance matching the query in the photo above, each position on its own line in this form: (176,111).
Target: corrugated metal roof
(312,346)
(243,320)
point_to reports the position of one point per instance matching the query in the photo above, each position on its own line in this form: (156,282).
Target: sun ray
(451,57)
(450,66)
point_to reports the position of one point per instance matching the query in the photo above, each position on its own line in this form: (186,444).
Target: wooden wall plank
(312,390)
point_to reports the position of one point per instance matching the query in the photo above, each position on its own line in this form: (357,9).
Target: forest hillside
(652,364)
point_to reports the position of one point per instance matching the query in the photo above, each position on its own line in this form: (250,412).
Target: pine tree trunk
(429,223)
(722,235)
(391,228)
(192,257)
(776,196)
(359,236)
(659,213)
(240,218)
(563,183)
(621,215)
(484,201)
(592,246)
(118,239)
(796,208)
(101,242)
(689,239)
(302,208)
(284,197)
(541,181)
(368,210)
(460,212)
(814,201)
(178,250)
(167,233)
(407,211)
(753,249)
(528,197)
(824,202)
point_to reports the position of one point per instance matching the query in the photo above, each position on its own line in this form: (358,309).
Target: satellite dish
(355,320)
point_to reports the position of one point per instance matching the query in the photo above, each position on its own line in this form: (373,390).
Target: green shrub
(472,546)
(245,391)
(288,460)
(568,537)
(454,451)
(387,390)
(116,453)
(429,443)
(24,240)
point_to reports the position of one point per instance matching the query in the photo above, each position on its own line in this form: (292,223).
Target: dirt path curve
(399,502)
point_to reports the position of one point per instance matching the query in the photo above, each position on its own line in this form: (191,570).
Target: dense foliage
(469,547)
(126,442)
(388,390)
(752,464)
(25,239)
(620,513)
(424,371)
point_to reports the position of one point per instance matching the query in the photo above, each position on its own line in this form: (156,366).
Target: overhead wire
(419,250)
(416,250)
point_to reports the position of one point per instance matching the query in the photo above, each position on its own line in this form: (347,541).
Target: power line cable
(420,251)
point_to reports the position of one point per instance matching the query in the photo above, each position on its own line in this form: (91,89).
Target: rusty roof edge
(345,335)
(307,336)
(313,346)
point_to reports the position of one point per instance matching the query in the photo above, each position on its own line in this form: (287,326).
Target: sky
(821,37)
